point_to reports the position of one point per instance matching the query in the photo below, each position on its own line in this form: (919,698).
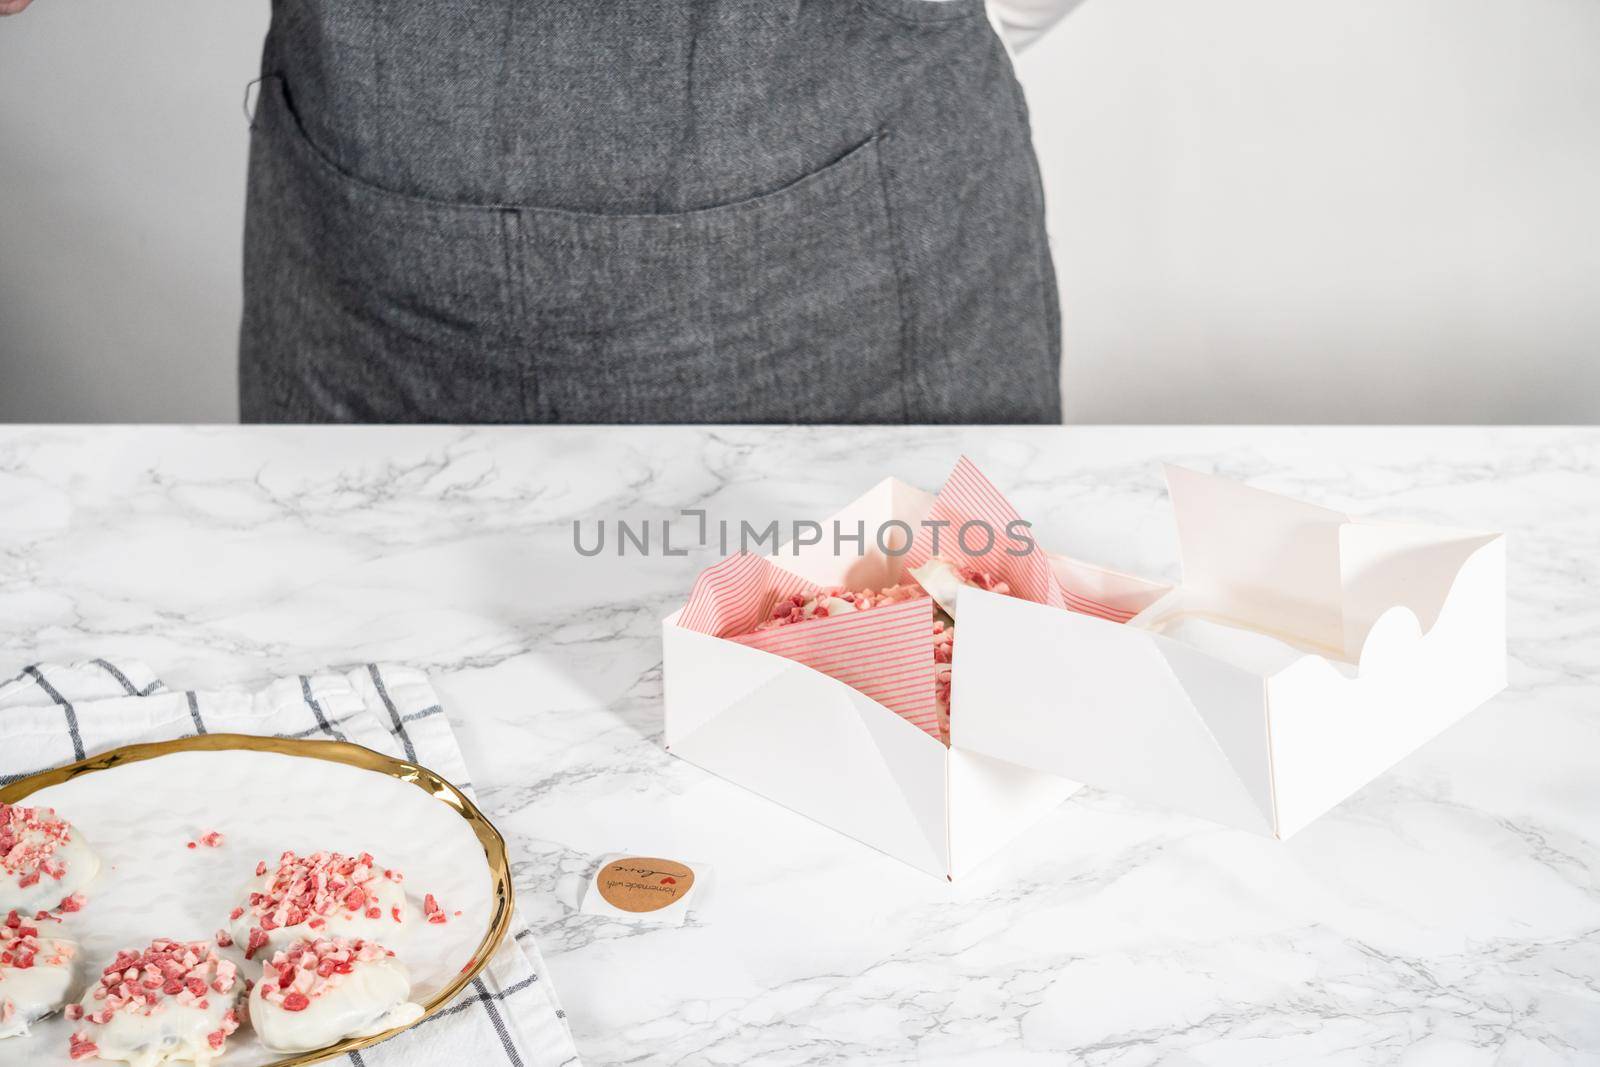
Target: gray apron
(644,211)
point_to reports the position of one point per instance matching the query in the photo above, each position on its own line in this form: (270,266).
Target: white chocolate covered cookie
(43,860)
(318,992)
(325,894)
(35,973)
(944,581)
(175,1001)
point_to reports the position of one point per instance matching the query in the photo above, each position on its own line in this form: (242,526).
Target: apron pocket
(781,308)
(370,304)
(366,305)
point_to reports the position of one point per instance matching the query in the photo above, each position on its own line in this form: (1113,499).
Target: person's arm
(11,7)
(1024,21)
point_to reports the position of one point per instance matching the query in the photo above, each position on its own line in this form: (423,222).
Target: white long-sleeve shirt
(1021,22)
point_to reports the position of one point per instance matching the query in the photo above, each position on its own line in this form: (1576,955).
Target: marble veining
(1447,914)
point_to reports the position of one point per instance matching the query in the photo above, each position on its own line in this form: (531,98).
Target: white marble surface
(1448,914)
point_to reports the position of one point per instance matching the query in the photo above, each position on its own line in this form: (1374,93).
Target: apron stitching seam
(898,260)
(517,306)
(956,12)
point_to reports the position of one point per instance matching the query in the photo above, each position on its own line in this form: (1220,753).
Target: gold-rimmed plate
(141,806)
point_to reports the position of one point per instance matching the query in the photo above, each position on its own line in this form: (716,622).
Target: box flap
(1331,734)
(1261,559)
(735,679)
(810,743)
(1124,710)
(1314,577)
(890,501)
(992,801)
(1385,565)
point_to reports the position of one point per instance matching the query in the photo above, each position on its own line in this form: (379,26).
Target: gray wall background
(1263,210)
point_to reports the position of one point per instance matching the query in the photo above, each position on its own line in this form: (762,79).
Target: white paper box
(1304,653)
(820,747)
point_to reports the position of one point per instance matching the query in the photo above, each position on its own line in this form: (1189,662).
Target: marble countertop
(1447,914)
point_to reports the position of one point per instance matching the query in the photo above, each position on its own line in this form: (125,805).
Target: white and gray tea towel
(54,714)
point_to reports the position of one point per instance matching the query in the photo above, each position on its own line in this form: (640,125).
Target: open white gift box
(1303,653)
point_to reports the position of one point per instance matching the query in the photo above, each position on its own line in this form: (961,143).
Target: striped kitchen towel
(55,714)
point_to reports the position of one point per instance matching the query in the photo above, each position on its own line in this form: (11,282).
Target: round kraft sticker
(643,884)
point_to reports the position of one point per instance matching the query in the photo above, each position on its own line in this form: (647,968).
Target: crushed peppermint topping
(21,949)
(431,909)
(837,600)
(306,889)
(210,839)
(944,651)
(186,972)
(307,969)
(29,838)
(230,1023)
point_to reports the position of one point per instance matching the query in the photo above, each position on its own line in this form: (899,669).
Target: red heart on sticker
(669,881)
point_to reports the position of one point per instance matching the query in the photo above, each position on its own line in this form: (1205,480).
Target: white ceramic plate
(138,808)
